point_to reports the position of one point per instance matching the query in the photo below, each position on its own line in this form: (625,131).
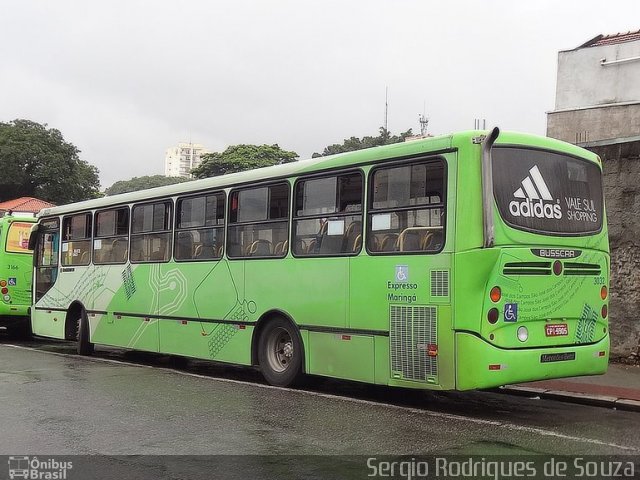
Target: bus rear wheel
(280,353)
(85,347)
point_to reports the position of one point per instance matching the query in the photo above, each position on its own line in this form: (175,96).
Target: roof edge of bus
(230,180)
(515,137)
(300,167)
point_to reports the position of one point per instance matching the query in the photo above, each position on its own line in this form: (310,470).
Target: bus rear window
(547,192)
(18,237)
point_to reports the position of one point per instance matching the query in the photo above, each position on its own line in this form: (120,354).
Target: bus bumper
(13,314)
(481,365)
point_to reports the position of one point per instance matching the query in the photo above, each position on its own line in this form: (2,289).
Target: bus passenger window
(328,215)
(111,236)
(76,240)
(406,211)
(258,222)
(151,232)
(199,227)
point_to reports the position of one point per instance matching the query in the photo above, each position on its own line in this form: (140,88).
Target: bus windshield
(546,192)
(18,237)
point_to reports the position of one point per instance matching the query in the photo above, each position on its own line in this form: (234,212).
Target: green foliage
(238,158)
(355,143)
(36,161)
(142,183)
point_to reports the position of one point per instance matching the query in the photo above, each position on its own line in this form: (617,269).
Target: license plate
(556,330)
(557,357)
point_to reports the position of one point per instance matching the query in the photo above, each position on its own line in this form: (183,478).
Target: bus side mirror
(33,237)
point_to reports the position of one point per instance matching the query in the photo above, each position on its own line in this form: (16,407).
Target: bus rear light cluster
(604,292)
(495,294)
(493,315)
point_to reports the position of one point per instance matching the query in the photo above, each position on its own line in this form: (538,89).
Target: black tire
(280,353)
(85,347)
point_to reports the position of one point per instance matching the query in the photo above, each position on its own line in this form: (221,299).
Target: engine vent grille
(571,268)
(439,283)
(527,268)
(413,334)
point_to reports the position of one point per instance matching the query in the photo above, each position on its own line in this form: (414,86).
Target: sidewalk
(618,388)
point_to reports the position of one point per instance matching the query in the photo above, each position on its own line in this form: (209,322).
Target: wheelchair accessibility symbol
(511,312)
(402,273)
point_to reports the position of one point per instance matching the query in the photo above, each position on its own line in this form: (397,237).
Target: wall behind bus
(621,165)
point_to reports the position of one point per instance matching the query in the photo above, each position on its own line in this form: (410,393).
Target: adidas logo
(535,197)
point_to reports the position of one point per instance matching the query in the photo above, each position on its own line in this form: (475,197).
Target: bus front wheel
(280,353)
(85,347)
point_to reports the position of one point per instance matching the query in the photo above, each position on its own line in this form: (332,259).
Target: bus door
(45,319)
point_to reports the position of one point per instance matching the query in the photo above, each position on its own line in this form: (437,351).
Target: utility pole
(386,108)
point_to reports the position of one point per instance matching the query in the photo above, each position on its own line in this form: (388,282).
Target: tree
(36,161)
(141,183)
(355,143)
(238,158)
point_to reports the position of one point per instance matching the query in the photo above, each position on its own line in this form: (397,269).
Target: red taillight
(557,267)
(493,315)
(495,294)
(604,292)
(4,290)
(604,311)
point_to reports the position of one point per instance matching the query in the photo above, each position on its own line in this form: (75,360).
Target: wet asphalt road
(122,403)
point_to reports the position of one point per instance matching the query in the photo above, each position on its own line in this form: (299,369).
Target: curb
(573,397)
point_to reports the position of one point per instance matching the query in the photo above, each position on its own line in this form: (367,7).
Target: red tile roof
(612,39)
(24,204)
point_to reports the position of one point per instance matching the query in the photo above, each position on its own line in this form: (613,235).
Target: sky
(124,80)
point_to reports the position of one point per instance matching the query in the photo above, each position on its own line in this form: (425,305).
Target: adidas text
(538,209)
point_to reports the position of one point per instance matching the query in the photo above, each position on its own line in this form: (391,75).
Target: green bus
(16,270)
(464,261)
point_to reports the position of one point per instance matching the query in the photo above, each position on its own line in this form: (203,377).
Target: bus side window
(76,241)
(258,222)
(406,208)
(328,215)
(199,227)
(151,232)
(111,236)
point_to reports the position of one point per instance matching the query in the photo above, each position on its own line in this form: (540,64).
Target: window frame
(176,230)
(44,227)
(170,203)
(287,219)
(362,212)
(547,233)
(89,215)
(408,162)
(5,238)
(96,237)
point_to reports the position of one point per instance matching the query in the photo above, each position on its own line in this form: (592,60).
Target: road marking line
(430,413)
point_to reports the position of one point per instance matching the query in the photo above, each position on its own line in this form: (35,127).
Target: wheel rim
(280,350)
